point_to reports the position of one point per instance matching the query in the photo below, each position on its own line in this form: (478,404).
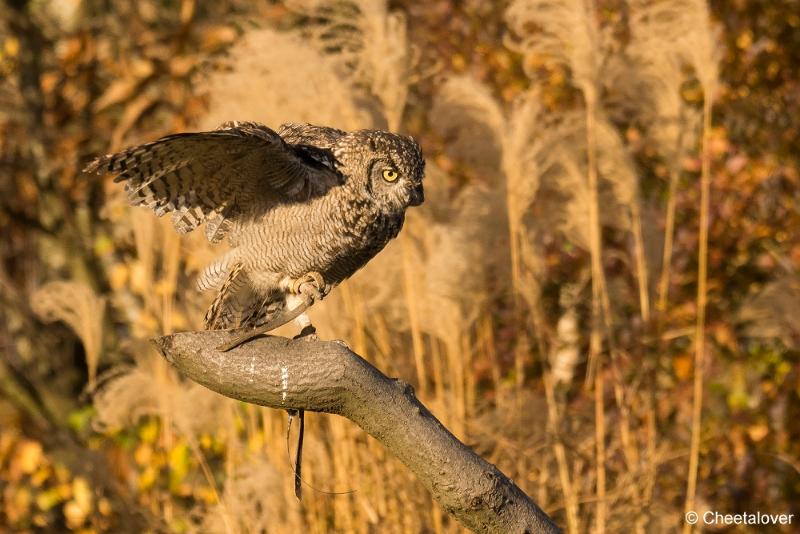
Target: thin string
(298,480)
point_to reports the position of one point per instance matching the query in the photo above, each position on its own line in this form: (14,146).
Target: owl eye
(390,175)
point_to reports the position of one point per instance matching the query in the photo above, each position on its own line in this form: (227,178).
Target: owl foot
(310,284)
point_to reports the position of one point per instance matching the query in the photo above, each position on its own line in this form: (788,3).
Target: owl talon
(311,285)
(309,290)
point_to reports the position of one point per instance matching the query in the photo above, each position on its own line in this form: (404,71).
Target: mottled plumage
(293,203)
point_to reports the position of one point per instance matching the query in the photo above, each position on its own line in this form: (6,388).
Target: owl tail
(238,305)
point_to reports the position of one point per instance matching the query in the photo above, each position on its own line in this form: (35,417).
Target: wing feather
(236,171)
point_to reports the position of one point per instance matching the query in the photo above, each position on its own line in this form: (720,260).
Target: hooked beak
(417,196)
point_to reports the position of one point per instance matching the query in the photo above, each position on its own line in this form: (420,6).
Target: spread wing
(237,171)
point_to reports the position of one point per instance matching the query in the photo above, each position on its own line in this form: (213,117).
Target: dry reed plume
(556,278)
(80,308)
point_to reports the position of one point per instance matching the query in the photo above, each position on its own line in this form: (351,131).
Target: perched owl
(303,208)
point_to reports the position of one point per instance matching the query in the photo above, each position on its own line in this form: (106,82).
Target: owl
(303,208)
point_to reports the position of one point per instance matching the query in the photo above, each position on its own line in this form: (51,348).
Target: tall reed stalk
(642,274)
(409,292)
(598,285)
(669,236)
(702,297)
(567,488)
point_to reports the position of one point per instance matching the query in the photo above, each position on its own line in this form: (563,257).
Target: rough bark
(325,376)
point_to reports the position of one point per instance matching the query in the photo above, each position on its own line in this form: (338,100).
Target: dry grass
(496,299)
(434,269)
(80,308)
(368,43)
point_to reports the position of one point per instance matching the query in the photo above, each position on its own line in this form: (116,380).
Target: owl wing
(310,134)
(237,171)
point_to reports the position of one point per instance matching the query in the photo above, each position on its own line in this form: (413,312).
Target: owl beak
(417,196)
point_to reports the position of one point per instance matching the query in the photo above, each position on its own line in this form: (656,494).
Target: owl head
(387,166)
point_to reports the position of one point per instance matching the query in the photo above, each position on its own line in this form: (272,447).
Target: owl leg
(281,319)
(310,285)
(309,289)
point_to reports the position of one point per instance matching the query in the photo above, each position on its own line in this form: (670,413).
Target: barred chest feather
(343,235)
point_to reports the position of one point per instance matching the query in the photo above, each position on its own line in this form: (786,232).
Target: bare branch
(325,376)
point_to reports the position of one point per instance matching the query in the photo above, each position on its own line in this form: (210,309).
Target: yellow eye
(390,175)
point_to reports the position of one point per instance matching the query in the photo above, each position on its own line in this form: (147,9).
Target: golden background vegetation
(601,294)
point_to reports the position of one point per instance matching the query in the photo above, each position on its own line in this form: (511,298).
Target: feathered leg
(309,288)
(221,313)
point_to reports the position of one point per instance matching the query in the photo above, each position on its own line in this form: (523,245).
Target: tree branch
(325,376)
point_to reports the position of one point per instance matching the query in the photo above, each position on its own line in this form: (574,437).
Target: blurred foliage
(97,434)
